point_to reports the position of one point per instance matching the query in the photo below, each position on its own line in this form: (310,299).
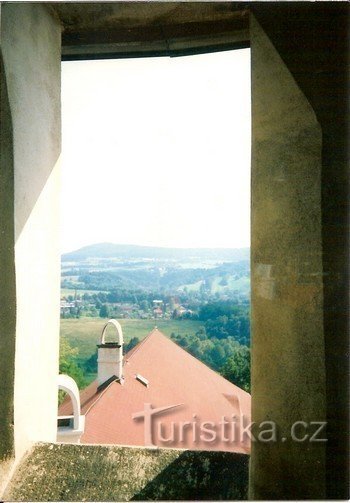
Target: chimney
(110,356)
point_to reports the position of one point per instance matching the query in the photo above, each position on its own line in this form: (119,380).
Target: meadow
(65,292)
(84,333)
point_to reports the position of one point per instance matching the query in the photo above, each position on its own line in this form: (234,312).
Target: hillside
(122,251)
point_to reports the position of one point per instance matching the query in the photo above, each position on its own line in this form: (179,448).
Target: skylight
(142,380)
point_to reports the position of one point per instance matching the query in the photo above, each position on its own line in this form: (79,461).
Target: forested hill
(110,250)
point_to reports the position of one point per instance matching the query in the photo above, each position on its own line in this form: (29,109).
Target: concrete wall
(101,473)
(288,379)
(30,45)
(306,47)
(8,287)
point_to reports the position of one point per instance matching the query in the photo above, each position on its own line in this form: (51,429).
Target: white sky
(156,151)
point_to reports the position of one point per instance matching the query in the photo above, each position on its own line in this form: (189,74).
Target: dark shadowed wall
(311,40)
(7,260)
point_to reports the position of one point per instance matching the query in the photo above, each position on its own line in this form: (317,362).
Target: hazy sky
(156,151)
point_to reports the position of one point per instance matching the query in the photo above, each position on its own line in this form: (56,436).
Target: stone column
(288,358)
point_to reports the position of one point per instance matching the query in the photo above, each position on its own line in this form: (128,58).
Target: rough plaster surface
(7,468)
(313,40)
(30,45)
(7,260)
(106,473)
(153,28)
(288,370)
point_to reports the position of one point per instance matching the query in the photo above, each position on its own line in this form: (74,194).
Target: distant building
(181,311)
(66,306)
(158,313)
(158,306)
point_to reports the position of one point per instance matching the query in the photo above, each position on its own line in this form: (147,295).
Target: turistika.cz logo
(228,430)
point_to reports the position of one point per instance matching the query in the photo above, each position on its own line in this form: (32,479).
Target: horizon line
(159,246)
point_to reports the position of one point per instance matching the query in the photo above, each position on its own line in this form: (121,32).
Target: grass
(84,333)
(192,287)
(71,291)
(241,284)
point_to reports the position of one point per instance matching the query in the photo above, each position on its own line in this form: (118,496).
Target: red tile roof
(174,377)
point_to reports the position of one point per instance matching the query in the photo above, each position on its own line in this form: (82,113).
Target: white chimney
(110,356)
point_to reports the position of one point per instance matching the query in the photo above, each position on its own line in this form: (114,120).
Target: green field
(242,285)
(84,333)
(192,287)
(70,291)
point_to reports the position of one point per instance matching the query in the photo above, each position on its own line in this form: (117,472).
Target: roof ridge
(215,372)
(135,349)
(199,361)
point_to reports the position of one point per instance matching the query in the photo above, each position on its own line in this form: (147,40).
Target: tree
(223,281)
(144,305)
(66,352)
(104,311)
(69,366)
(90,365)
(217,354)
(237,368)
(131,344)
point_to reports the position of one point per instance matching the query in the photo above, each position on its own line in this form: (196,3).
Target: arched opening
(70,427)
